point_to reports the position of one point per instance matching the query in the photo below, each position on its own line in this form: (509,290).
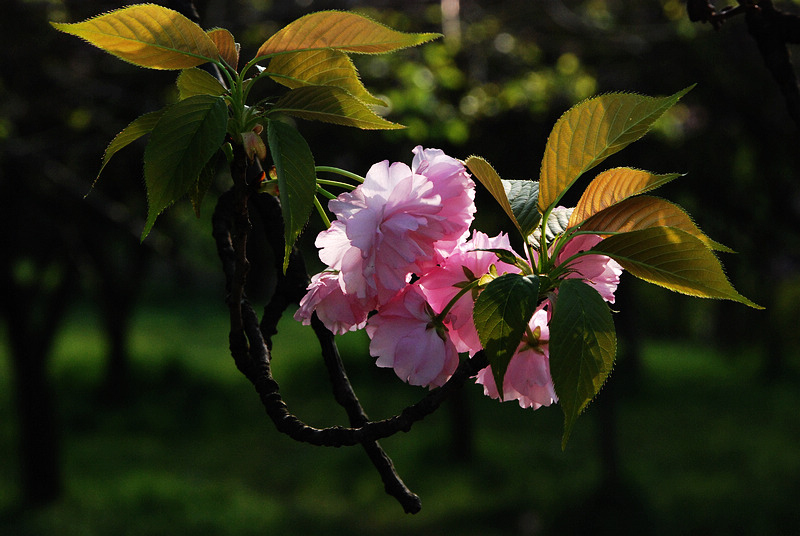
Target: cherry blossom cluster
(403,265)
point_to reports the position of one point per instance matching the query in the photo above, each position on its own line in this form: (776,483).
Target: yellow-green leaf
(612,186)
(147,35)
(340,30)
(324,67)
(196,81)
(487,176)
(226,44)
(331,105)
(674,259)
(644,212)
(590,132)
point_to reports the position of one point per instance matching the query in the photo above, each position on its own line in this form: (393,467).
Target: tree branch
(289,289)
(250,343)
(772,30)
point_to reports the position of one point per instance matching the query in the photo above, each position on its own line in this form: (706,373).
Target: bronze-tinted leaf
(226,44)
(611,187)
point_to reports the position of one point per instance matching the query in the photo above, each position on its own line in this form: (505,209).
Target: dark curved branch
(261,377)
(771,29)
(291,286)
(346,397)
(250,340)
(289,289)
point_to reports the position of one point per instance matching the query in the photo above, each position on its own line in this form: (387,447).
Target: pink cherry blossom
(405,337)
(599,271)
(457,191)
(339,312)
(527,378)
(465,264)
(394,223)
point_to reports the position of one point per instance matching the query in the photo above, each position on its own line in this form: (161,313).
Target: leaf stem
(338,184)
(322,191)
(467,288)
(343,172)
(543,256)
(321,212)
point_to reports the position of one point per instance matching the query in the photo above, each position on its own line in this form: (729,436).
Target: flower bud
(254,145)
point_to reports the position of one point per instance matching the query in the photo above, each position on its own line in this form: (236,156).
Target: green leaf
(196,81)
(557,224)
(501,315)
(486,175)
(147,35)
(590,132)
(297,179)
(643,212)
(183,140)
(523,197)
(199,189)
(139,127)
(340,30)
(674,259)
(583,345)
(612,186)
(331,105)
(323,67)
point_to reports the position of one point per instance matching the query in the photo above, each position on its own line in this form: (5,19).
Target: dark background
(120,411)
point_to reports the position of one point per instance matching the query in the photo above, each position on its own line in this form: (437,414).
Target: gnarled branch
(250,340)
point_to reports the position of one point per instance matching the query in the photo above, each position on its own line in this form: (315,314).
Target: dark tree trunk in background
(34,311)
(119,275)
(40,472)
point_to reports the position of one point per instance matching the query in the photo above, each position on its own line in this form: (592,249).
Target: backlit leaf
(583,345)
(196,81)
(324,67)
(147,35)
(643,212)
(674,259)
(182,142)
(612,186)
(486,175)
(297,179)
(226,45)
(331,105)
(340,30)
(590,132)
(501,315)
(139,127)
